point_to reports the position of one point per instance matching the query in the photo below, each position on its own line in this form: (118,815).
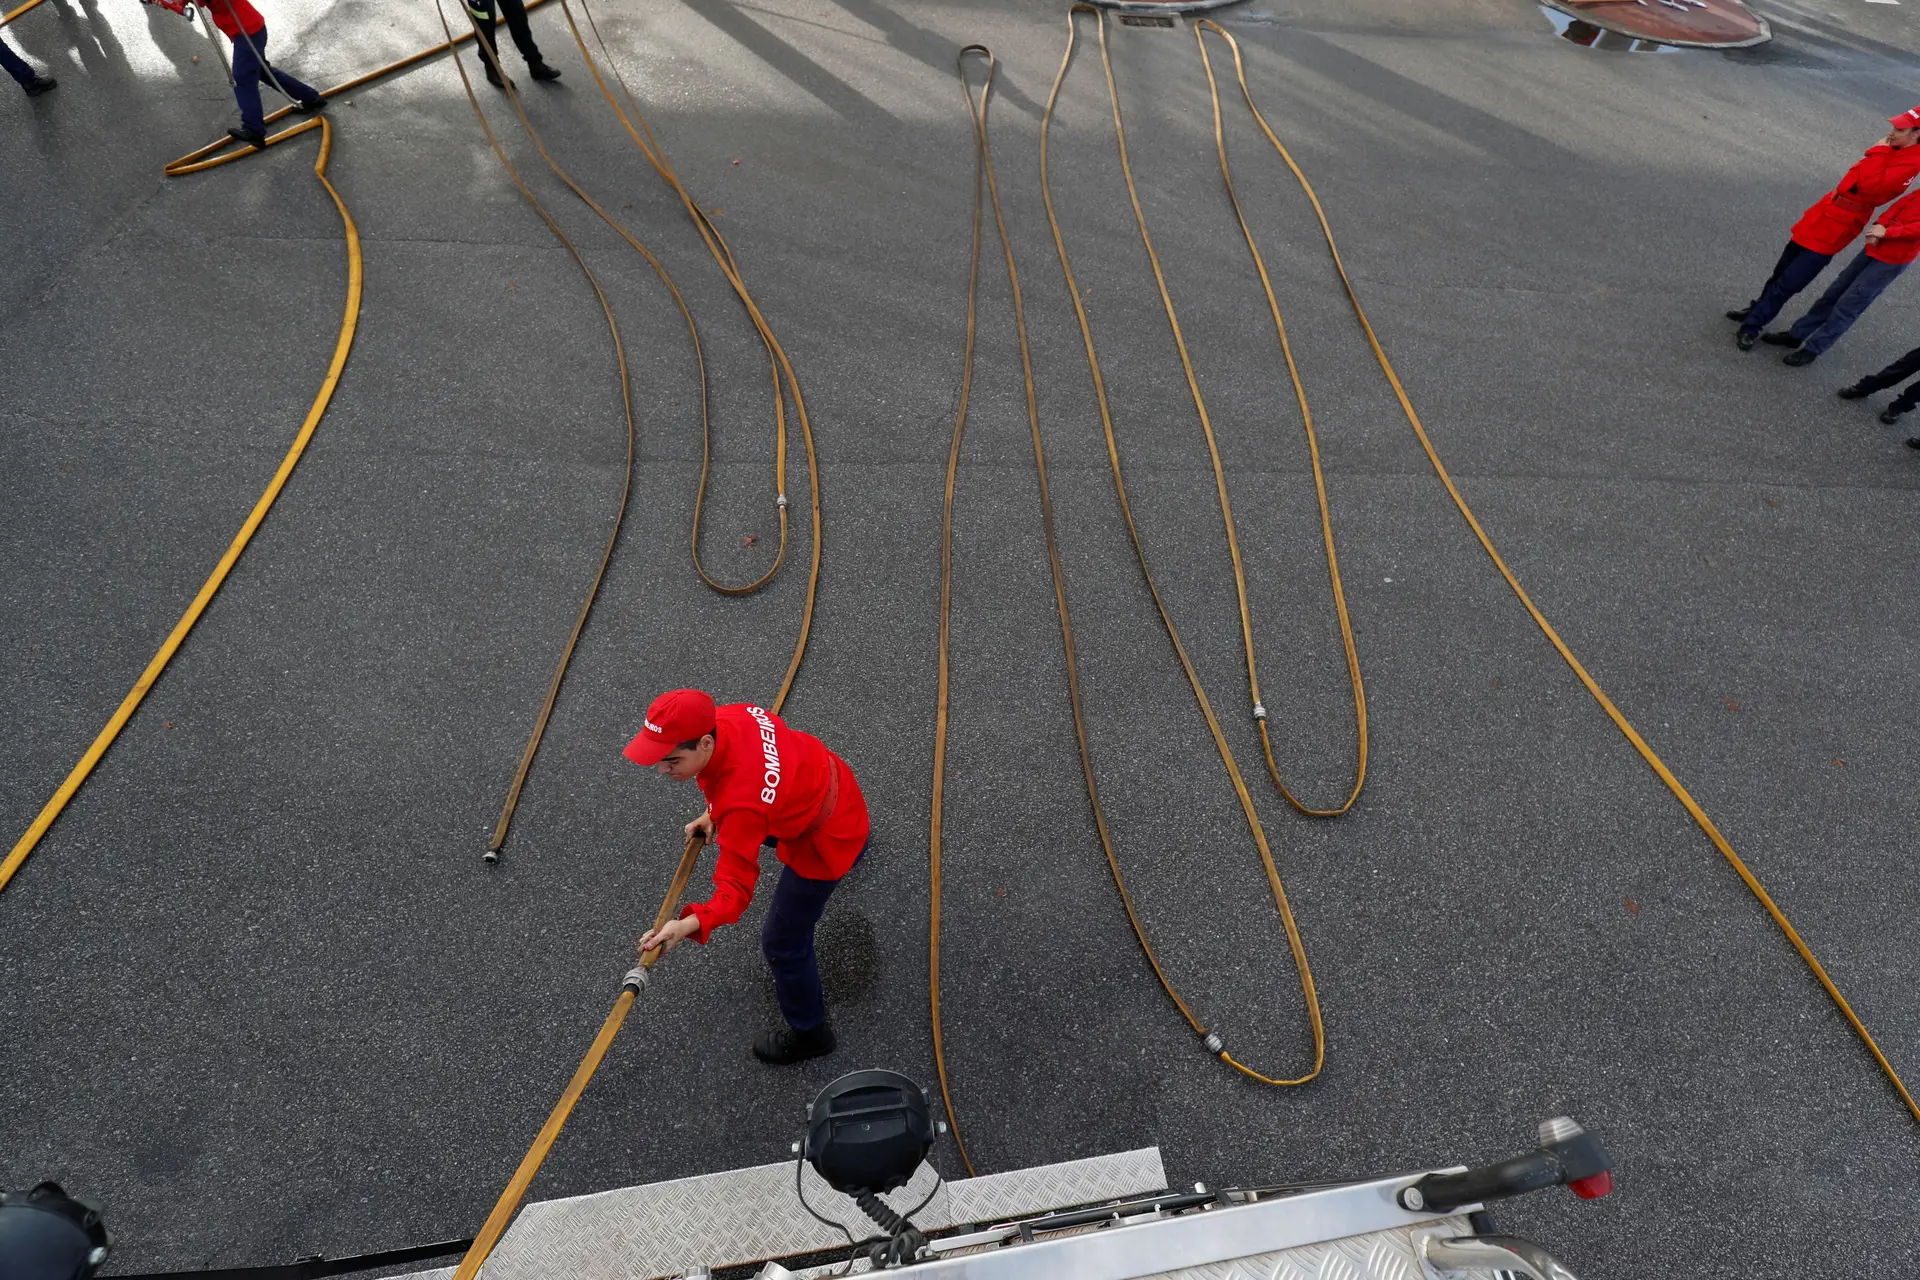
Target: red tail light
(1594,1186)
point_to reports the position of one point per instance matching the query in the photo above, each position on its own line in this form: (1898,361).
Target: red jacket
(766,779)
(1843,213)
(1902,241)
(235,16)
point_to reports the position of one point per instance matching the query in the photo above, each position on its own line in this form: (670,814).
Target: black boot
(1854,392)
(1913,442)
(255,138)
(1741,313)
(1891,416)
(1745,339)
(1780,338)
(312,106)
(493,76)
(39,85)
(1800,358)
(786,1044)
(539,70)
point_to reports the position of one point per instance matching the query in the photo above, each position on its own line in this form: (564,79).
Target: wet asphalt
(261,996)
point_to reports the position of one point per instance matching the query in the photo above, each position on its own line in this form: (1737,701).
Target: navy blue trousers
(1895,374)
(250,71)
(1797,268)
(517,26)
(16,65)
(786,940)
(1851,293)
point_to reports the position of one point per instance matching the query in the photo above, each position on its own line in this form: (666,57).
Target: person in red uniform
(1893,242)
(244,26)
(1833,221)
(766,784)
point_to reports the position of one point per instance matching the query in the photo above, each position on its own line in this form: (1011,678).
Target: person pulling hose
(767,785)
(241,23)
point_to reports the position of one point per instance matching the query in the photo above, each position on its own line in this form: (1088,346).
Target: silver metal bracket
(781,501)
(1259,711)
(1442,1255)
(637,979)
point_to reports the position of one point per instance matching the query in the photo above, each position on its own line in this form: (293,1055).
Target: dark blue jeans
(1851,293)
(251,70)
(1797,268)
(16,65)
(786,940)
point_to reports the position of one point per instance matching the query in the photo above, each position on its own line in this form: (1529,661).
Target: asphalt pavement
(261,996)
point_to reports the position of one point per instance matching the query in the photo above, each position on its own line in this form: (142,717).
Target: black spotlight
(45,1234)
(866,1134)
(868,1131)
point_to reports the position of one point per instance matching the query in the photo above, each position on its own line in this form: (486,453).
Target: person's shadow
(177,39)
(90,38)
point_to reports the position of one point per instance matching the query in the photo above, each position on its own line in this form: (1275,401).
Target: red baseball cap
(676,717)
(1906,119)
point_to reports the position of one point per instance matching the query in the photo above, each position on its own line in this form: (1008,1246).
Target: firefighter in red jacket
(766,784)
(244,26)
(1893,242)
(1833,221)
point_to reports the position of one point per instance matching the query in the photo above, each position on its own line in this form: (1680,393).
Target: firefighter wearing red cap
(766,784)
(1833,221)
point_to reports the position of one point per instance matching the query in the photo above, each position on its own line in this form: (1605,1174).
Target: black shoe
(39,85)
(541,71)
(1891,416)
(311,107)
(1746,339)
(254,138)
(1913,442)
(493,77)
(1854,392)
(1799,358)
(1780,338)
(1741,313)
(785,1044)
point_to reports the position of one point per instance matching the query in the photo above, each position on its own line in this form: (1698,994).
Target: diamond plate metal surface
(1023,1192)
(744,1215)
(1378,1255)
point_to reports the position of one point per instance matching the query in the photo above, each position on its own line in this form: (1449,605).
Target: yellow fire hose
(213,155)
(226,150)
(1654,762)
(985,183)
(777,360)
(985,189)
(722,254)
(503,1209)
(128,705)
(11,14)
